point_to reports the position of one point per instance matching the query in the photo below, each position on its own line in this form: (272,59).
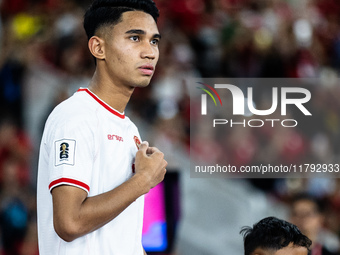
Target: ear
(96,47)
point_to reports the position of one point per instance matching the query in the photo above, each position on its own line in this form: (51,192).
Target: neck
(115,96)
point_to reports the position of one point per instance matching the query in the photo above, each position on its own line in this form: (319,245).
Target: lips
(147,69)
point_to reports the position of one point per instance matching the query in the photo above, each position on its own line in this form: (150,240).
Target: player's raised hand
(150,164)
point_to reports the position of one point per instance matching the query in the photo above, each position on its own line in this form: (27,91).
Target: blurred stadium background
(44,59)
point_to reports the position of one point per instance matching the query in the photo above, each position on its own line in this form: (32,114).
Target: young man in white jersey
(93,170)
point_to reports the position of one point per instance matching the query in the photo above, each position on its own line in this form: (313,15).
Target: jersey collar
(102,103)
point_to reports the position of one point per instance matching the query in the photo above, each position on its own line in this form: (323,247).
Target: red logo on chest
(115,137)
(137,141)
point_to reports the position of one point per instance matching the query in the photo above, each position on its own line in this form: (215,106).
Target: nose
(149,51)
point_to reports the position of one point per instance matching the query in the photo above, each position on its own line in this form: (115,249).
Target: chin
(142,83)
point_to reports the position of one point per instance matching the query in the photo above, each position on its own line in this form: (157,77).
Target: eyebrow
(141,32)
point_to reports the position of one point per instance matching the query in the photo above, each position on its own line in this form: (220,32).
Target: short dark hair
(273,233)
(109,12)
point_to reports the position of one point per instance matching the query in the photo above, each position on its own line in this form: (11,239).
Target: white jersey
(89,145)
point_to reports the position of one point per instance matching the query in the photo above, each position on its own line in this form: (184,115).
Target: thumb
(144,146)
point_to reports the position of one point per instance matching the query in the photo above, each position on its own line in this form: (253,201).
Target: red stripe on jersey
(69,181)
(107,107)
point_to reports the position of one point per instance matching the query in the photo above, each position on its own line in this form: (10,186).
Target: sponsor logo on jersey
(64,152)
(137,141)
(115,137)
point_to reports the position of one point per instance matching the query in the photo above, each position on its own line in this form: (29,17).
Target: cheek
(118,61)
(116,53)
(157,54)
(124,56)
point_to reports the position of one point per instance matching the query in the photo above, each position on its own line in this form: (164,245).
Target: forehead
(136,20)
(289,250)
(292,250)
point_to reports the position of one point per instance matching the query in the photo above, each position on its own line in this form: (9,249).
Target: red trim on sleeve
(102,103)
(69,181)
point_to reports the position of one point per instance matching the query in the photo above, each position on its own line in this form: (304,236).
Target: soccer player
(93,169)
(273,236)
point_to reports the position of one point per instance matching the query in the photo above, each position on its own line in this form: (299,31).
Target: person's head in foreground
(273,236)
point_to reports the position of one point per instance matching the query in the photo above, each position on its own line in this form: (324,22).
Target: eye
(155,42)
(134,38)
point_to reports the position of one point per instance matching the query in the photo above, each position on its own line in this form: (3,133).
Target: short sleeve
(71,154)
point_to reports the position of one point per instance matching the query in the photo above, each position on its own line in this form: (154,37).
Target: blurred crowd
(44,59)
